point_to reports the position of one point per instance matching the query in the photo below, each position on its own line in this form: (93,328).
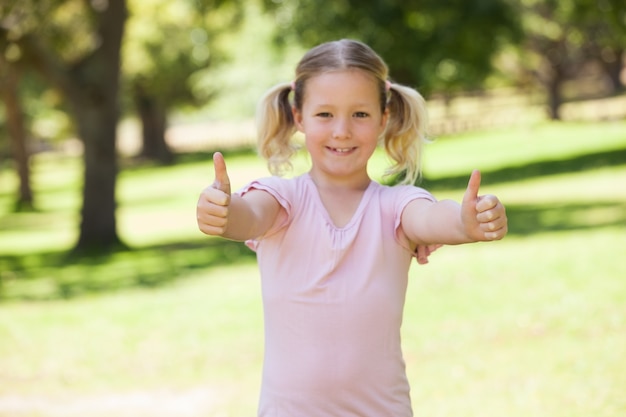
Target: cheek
(371,133)
(312,140)
(313,132)
(314,148)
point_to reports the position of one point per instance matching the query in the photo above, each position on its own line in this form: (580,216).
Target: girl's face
(342,121)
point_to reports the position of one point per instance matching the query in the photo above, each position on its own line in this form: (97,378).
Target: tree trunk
(94,100)
(554,77)
(153,117)
(17,134)
(613,70)
(554,98)
(96,126)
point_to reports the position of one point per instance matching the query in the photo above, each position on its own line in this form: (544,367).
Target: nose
(341,128)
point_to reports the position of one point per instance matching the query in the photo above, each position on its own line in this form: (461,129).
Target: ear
(297,118)
(384,119)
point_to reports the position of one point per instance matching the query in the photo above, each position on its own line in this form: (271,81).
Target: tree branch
(34,54)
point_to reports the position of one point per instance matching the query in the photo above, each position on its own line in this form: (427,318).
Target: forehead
(351,85)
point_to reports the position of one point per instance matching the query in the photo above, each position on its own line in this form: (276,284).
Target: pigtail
(406,132)
(275,127)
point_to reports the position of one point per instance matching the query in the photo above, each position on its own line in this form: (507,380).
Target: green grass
(534,325)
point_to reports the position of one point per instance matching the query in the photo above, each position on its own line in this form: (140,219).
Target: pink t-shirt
(333,300)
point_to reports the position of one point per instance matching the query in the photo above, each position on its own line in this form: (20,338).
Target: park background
(113,303)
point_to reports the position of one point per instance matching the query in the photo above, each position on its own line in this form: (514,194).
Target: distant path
(198,136)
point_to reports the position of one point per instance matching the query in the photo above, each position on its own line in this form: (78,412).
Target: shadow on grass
(533,219)
(54,275)
(191,157)
(537,169)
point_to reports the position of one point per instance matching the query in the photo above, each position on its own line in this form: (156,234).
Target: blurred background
(113,303)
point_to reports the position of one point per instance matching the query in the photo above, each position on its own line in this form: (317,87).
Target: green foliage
(433,45)
(253,66)
(169,44)
(66,25)
(562,37)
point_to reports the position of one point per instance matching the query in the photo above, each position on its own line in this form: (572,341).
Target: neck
(359,183)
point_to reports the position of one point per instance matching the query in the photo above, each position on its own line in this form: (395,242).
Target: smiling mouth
(341,150)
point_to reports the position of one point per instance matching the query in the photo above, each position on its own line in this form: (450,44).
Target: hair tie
(387,85)
(293,86)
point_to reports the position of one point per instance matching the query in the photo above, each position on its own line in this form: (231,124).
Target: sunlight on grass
(595,186)
(541,333)
(490,150)
(204,331)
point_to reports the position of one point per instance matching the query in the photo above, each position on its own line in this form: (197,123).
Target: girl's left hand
(483,217)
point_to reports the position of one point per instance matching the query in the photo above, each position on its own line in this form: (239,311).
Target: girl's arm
(232,216)
(477,218)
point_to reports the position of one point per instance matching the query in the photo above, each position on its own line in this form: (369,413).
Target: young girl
(333,246)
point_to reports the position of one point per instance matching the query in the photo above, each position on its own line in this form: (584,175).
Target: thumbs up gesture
(483,217)
(214,201)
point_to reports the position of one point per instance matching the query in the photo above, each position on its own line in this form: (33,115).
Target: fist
(213,203)
(483,217)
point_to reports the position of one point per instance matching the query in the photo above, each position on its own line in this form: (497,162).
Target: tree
(75,45)
(16,127)
(430,44)
(561,37)
(604,24)
(169,44)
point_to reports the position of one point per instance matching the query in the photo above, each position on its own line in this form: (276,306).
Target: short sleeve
(278,188)
(404,194)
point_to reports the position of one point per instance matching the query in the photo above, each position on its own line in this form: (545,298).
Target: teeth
(342,150)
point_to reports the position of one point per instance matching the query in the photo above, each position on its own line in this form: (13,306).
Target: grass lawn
(534,325)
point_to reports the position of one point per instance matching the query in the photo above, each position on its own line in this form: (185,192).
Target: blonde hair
(403,137)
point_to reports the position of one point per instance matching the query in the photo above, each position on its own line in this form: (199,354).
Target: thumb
(471,193)
(222,182)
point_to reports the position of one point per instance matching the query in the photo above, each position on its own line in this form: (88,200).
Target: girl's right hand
(214,201)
